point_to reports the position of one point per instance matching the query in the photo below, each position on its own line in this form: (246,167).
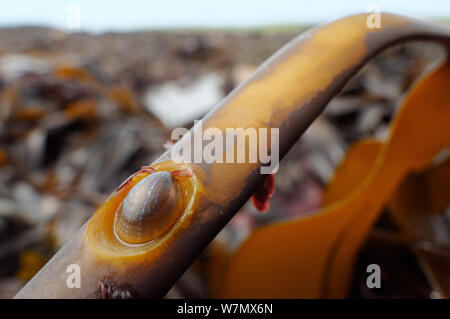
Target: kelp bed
(75,122)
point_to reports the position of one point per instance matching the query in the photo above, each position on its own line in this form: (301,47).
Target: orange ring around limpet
(101,237)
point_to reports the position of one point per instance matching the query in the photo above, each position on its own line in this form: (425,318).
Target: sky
(129,15)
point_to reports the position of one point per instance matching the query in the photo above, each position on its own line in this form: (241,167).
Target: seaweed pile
(79,113)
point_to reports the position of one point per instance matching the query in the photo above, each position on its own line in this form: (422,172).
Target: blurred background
(90,90)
